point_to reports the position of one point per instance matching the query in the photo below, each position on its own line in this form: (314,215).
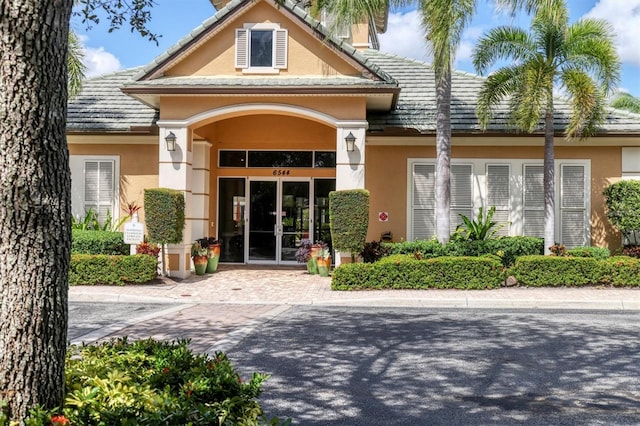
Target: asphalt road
(369,366)
(399,366)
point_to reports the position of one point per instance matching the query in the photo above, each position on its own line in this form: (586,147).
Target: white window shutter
(423,224)
(461,194)
(533,225)
(573,214)
(499,196)
(99,188)
(280,49)
(242,48)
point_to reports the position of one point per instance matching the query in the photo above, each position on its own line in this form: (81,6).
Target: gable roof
(416,106)
(292,9)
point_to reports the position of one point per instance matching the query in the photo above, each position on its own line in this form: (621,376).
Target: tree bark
(35,204)
(443,155)
(549,179)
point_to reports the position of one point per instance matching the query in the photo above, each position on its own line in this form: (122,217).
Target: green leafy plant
(98,242)
(87,269)
(622,200)
(164,210)
(90,222)
(374,251)
(482,228)
(349,218)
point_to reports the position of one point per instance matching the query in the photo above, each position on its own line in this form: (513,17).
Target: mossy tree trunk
(35,203)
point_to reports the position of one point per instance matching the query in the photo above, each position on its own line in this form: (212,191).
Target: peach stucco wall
(307,55)
(138,168)
(386,178)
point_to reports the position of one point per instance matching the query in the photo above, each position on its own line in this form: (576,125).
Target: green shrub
(538,271)
(86,269)
(153,383)
(374,251)
(623,207)
(427,248)
(349,218)
(407,272)
(98,242)
(164,215)
(621,271)
(597,252)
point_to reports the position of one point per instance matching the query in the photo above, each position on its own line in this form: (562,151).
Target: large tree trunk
(443,155)
(35,203)
(549,179)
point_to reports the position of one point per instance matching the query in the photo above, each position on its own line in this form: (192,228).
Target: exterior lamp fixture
(171,141)
(350,140)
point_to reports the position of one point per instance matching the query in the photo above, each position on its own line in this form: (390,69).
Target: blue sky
(173,19)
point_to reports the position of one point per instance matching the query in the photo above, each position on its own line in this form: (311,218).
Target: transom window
(269,159)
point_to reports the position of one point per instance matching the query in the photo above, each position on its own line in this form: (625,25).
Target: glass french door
(279,217)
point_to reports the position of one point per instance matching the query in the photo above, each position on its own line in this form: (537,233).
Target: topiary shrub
(621,271)
(86,269)
(349,218)
(596,252)
(98,242)
(426,248)
(538,271)
(622,200)
(164,215)
(407,272)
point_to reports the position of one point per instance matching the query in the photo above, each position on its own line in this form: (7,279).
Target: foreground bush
(98,242)
(507,248)
(539,271)
(86,269)
(404,271)
(154,383)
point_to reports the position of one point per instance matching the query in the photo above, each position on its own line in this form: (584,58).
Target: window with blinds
(261,48)
(573,213)
(423,201)
(499,196)
(461,194)
(533,195)
(99,186)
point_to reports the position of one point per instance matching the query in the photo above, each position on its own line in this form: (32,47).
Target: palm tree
(75,66)
(579,59)
(624,100)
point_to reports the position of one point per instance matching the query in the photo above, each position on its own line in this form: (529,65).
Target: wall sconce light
(171,141)
(350,140)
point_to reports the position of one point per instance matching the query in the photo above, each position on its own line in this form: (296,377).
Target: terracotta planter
(213,255)
(324,266)
(200,263)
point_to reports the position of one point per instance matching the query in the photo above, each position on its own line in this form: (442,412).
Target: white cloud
(405,36)
(97,60)
(624,16)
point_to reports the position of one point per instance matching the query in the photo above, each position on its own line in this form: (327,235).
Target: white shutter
(280,49)
(242,48)
(533,201)
(423,202)
(573,213)
(499,196)
(99,188)
(461,194)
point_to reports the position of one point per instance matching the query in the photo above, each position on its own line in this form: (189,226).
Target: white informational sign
(133,233)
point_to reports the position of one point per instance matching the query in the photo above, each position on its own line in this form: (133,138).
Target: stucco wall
(386,178)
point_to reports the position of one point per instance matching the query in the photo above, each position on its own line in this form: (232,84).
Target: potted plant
(324,261)
(303,255)
(199,256)
(213,252)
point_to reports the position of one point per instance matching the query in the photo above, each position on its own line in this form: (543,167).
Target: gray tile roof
(102,107)
(416,108)
(259,82)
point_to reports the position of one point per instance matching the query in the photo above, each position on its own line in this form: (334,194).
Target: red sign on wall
(383,216)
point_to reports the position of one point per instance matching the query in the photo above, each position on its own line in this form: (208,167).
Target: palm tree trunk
(35,195)
(549,179)
(443,155)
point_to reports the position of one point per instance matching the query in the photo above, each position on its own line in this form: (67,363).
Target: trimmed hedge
(407,272)
(538,271)
(98,242)
(597,252)
(507,248)
(86,269)
(164,215)
(349,218)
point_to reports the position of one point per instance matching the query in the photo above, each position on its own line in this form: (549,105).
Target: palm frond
(498,87)
(75,66)
(587,103)
(502,43)
(626,101)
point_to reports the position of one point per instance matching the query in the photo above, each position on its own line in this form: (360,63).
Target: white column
(200,190)
(350,165)
(175,172)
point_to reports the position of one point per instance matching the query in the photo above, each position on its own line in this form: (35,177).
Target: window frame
(78,178)
(279,54)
